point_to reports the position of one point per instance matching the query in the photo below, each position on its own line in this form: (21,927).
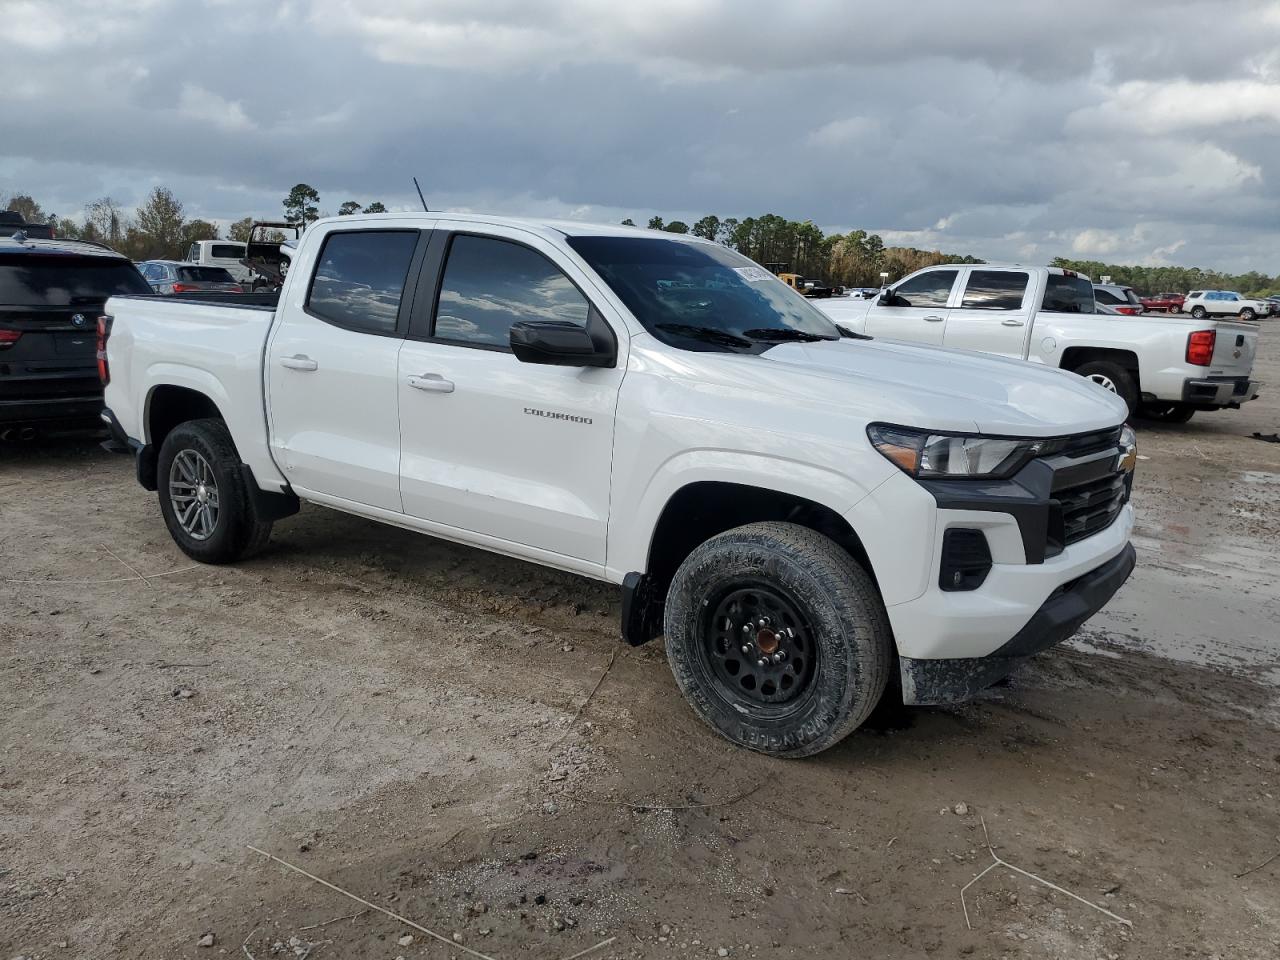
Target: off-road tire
(237,533)
(1126,388)
(847,628)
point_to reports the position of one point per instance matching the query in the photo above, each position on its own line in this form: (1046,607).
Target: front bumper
(1219,391)
(934,681)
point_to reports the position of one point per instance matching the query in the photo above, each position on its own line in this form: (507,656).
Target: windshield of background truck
(702,296)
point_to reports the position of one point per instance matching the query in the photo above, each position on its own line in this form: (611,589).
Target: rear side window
(1065,294)
(1105,296)
(360,279)
(994,290)
(226,251)
(489,284)
(205,275)
(927,290)
(54,280)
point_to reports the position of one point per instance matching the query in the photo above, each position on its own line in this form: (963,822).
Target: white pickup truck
(804,514)
(1166,367)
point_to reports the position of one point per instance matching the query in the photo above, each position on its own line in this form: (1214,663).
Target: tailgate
(1234,349)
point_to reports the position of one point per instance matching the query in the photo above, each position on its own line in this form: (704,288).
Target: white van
(221,253)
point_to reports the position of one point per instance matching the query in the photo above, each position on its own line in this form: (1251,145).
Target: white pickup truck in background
(1166,367)
(800,512)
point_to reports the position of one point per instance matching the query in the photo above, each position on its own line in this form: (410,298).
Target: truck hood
(939,389)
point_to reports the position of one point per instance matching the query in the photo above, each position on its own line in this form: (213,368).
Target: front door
(917,311)
(993,314)
(501,451)
(331,368)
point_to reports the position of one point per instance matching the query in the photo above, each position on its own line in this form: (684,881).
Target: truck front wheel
(777,638)
(1111,376)
(203,496)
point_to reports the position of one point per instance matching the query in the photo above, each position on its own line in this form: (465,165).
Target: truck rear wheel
(203,495)
(777,638)
(1111,376)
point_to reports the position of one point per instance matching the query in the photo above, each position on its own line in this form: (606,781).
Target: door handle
(299,362)
(1012,323)
(935,319)
(432,383)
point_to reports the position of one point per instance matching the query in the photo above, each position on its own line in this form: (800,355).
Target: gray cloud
(1137,131)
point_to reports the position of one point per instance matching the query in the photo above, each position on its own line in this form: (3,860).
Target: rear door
(509,452)
(49,306)
(993,314)
(331,366)
(918,309)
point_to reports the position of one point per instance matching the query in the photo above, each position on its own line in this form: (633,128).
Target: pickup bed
(802,513)
(1165,368)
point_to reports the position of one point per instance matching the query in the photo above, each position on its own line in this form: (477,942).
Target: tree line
(160,229)
(853,259)
(1151,280)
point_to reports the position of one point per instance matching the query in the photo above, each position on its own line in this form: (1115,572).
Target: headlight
(1128,449)
(923,454)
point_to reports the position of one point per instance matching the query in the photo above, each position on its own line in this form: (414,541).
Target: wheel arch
(701,509)
(1073,358)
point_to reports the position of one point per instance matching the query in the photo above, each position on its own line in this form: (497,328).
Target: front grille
(1083,444)
(1091,506)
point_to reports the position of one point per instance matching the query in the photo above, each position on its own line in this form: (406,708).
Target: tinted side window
(1063,294)
(994,290)
(927,290)
(1105,296)
(226,251)
(360,279)
(489,284)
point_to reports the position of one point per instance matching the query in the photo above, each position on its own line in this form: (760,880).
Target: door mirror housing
(887,298)
(560,343)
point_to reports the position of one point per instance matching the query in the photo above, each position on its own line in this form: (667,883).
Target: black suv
(51,294)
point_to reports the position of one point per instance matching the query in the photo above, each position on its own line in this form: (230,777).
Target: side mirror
(886,298)
(560,343)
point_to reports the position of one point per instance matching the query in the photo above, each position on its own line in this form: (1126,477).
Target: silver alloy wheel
(1102,380)
(193,494)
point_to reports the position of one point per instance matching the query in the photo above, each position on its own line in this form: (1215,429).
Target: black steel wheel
(777,638)
(760,645)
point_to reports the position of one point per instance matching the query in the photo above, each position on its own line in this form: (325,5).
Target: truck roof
(549,227)
(79,248)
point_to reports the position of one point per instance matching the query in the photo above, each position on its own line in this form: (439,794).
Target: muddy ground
(405,718)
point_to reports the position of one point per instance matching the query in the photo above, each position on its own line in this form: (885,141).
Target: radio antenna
(420,196)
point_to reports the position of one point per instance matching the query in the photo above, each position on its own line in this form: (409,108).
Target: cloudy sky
(1128,130)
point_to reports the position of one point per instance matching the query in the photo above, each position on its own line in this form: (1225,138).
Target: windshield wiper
(705,334)
(784,335)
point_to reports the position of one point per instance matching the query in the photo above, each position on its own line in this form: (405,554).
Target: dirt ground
(405,719)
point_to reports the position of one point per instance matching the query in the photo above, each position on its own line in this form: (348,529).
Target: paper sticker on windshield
(752,274)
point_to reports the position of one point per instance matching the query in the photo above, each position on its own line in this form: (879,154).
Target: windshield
(58,280)
(702,296)
(1065,294)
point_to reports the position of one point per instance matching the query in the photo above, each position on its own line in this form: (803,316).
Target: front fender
(629,543)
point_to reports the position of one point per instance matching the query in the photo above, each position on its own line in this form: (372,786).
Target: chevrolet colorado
(810,516)
(1165,368)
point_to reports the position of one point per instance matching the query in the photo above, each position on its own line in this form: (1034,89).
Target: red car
(1164,301)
